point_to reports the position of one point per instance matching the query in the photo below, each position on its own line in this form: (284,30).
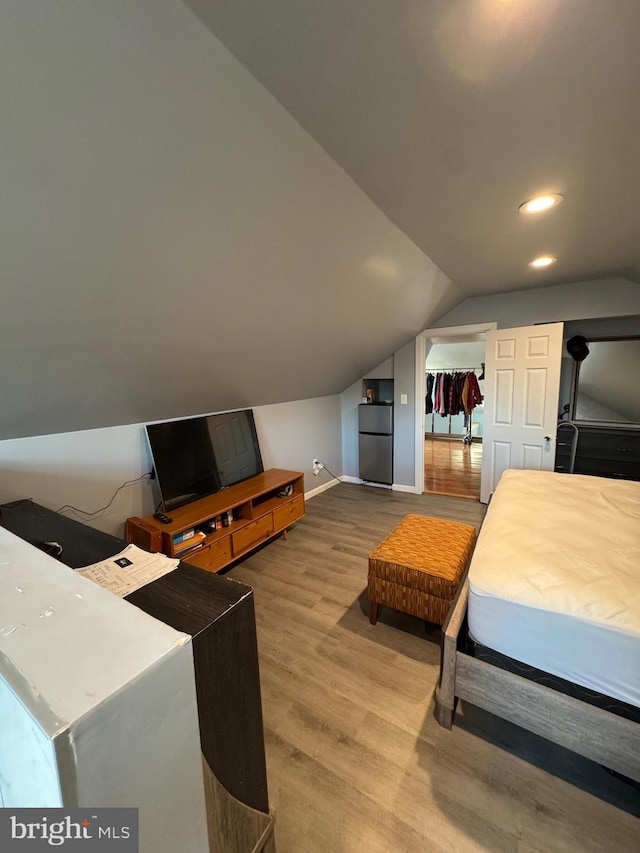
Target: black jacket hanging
(428,400)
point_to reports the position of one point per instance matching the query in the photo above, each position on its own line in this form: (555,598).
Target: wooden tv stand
(253,510)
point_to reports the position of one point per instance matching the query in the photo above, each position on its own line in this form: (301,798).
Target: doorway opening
(448,450)
(453,419)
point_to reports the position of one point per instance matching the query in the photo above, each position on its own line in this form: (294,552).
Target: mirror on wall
(606,387)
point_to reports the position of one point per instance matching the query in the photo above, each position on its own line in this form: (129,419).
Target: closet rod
(451,369)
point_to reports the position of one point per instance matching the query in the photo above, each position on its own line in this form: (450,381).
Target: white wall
(455,356)
(614,297)
(350,399)
(292,435)
(85,468)
(382,371)
(404,418)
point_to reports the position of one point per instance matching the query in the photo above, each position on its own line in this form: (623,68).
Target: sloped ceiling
(173,242)
(178,240)
(450,113)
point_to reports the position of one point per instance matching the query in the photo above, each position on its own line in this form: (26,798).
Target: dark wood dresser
(601,451)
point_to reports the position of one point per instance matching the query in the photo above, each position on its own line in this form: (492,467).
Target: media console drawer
(213,557)
(254,533)
(285,515)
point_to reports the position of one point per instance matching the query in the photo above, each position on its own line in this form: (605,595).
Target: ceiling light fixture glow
(544,261)
(540,203)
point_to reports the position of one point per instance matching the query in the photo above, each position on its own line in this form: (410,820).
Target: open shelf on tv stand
(253,511)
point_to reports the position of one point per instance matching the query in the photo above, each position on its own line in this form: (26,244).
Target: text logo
(37,830)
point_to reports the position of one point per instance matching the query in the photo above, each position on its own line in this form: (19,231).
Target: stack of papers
(127,571)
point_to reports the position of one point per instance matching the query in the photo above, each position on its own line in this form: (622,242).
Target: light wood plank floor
(356,761)
(452,467)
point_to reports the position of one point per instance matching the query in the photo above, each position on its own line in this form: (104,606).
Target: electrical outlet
(317,467)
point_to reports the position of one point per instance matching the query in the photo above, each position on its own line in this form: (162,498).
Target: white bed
(554,583)
(555,579)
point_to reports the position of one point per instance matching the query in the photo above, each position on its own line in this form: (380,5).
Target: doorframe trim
(432,335)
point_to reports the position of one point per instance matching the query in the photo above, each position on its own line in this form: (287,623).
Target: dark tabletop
(188,599)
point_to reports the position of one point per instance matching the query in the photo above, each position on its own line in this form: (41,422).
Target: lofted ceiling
(173,241)
(450,113)
(257,202)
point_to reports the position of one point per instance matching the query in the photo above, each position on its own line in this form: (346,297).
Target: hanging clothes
(472,396)
(449,393)
(428,400)
(437,394)
(444,403)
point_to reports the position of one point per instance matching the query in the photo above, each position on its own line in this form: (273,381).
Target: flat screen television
(196,457)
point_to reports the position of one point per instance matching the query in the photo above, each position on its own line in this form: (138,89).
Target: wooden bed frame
(600,735)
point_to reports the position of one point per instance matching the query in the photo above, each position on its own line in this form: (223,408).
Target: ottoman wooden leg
(373,613)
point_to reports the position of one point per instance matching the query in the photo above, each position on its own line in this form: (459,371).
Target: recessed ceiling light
(540,203)
(544,261)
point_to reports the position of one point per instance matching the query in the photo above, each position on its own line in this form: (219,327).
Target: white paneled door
(521,401)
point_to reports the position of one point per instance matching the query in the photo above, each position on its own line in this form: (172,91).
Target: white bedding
(554,581)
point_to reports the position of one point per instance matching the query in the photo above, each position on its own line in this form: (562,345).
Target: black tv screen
(199,456)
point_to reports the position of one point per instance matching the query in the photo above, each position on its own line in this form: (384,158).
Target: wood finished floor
(356,761)
(452,467)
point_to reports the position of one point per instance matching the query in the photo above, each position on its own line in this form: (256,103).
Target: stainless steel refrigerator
(375,442)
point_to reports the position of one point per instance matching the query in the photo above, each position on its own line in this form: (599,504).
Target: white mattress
(554,581)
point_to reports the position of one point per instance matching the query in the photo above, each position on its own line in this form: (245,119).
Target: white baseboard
(395,487)
(319,489)
(345,478)
(398,488)
(359,482)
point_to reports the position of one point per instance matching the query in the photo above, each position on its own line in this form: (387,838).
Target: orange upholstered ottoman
(418,567)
